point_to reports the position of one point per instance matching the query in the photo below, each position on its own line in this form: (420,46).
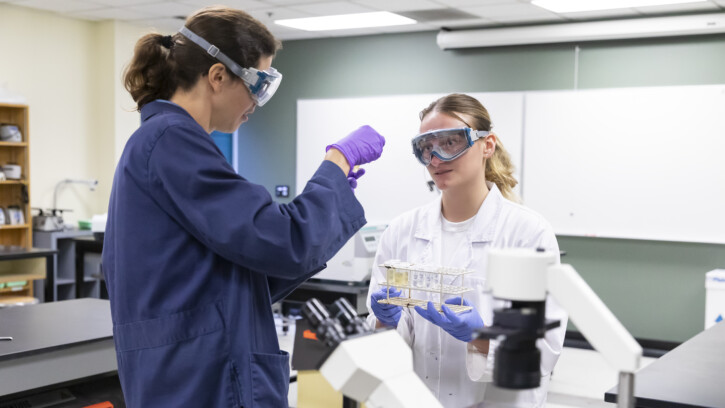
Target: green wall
(655,288)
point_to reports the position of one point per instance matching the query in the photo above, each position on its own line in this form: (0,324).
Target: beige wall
(69,71)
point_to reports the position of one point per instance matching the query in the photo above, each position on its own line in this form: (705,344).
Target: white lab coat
(457,374)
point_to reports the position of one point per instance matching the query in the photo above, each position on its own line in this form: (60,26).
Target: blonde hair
(499,168)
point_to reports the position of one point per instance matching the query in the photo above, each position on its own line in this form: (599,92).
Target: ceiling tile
(59,6)
(268,15)
(399,5)
(331,8)
(507,10)
(291,2)
(409,28)
(721,3)
(123,3)
(601,14)
(245,5)
(460,3)
(161,25)
(164,9)
(470,22)
(674,8)
(528,19)
(109,13)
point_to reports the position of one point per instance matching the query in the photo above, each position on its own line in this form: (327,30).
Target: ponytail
(150,75)
(500,171)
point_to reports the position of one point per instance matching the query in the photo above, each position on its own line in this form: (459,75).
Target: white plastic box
(715,297)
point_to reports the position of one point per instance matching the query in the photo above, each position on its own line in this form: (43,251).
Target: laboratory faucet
(92,183)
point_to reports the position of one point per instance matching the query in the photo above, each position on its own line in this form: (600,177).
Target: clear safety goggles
(445,144)
(261,84)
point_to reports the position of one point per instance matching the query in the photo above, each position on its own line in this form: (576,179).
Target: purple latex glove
(388,315)
(354,175)
(361,146)
(460,326)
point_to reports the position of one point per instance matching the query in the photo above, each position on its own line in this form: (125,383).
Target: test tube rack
(425,278)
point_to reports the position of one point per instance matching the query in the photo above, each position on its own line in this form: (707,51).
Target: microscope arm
(592,317)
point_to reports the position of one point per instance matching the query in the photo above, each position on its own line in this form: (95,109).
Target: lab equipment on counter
(523,277)
(442,280)
(354,261)
(48,220)
(98,225)
(374,367)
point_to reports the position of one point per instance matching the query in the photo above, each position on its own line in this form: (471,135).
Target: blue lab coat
(194,256)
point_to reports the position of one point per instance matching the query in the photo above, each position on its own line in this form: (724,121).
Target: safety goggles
(445,144)
(261,84)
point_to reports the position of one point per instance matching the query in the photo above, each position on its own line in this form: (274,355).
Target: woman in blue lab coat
(194,255)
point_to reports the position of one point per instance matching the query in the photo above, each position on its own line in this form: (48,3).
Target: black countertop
(12,252)
(49,326)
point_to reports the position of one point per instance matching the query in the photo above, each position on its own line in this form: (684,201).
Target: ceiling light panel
(570,6)
(399,5)
(245,5)
(331,8)
(346,21)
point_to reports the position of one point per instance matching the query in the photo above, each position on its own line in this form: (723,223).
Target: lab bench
(53,344)
(687,377)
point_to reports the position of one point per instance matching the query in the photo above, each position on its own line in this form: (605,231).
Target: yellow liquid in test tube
(401,277)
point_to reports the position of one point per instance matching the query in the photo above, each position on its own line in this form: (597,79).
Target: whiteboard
(396,182)
(641,163)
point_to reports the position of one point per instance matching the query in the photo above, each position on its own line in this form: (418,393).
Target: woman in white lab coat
(477,210)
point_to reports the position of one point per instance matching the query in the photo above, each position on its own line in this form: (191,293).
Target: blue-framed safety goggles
(261,84)
(445,144)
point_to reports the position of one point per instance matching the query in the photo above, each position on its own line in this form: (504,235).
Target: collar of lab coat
(160,106)
(483,227)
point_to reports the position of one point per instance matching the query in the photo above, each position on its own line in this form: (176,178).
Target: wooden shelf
(18,226)
(16,289)
(16,192)
(21,277)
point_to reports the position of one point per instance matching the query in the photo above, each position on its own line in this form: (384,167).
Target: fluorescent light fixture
(585,31)
(572,6)
(346,21)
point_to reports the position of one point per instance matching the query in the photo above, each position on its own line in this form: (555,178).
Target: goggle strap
(214,51)
(478,134)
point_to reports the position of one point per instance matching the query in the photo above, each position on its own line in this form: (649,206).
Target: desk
(55,342)
(690,376)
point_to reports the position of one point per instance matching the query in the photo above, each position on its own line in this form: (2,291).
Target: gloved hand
(361,146)
(388,315)
(460,326)
(354,175)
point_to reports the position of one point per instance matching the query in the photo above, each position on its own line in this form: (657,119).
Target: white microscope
(523,277)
